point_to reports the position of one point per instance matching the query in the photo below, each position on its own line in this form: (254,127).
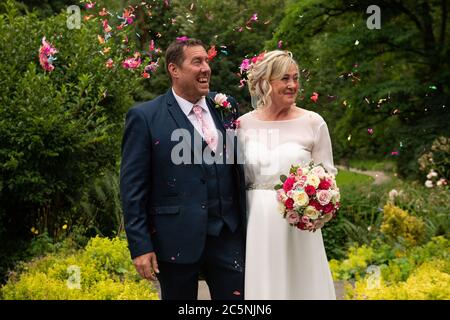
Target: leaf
(278,186)
(283,178)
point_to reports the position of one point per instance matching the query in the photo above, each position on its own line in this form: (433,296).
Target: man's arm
(135,188)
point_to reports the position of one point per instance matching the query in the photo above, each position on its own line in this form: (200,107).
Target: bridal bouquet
(309,196)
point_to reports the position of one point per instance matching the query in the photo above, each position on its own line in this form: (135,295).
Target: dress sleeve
(322,151)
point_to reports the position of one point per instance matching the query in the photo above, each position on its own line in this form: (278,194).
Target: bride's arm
(322,151)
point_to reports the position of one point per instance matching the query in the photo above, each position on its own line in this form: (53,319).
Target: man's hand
(146,265)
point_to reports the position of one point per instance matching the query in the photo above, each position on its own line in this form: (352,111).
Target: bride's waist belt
(260,186)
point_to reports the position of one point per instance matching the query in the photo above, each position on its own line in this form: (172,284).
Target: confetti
(46,58)
(182,39)
(433,87)
(314,97)
(212,52)
(89,5)
(280,44)
(356,42)
(370,131)
(349,137)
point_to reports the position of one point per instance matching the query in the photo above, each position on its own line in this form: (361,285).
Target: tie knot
(197,109)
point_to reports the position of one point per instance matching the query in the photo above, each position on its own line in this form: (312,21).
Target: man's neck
(186,97)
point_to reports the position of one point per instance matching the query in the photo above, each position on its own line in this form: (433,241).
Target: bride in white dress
(282,262)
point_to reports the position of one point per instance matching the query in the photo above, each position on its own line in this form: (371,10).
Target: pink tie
(209,134)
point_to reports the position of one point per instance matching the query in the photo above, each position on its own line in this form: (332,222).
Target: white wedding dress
(282,262)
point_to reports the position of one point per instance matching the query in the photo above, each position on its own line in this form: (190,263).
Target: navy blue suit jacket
(164,203)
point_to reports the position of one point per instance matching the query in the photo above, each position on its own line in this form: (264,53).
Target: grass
(373,165)
(345,177)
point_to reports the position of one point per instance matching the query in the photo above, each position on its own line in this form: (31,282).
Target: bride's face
(284,91)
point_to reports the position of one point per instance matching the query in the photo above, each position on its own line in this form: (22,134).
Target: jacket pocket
(165,210)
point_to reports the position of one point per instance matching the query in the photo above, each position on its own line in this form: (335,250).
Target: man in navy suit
(183,218)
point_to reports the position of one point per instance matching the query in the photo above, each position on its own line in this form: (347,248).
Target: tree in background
(384,91)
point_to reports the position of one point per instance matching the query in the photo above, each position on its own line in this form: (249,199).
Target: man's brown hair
(175,51)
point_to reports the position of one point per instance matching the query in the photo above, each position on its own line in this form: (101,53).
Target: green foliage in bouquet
(101,271)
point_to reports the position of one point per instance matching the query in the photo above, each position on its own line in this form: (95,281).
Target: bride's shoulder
(245,117)
(313,117)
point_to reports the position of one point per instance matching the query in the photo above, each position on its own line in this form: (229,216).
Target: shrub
(384,271)
(436,162)
(59,130)
(400,226)
(430,281)
(102,270)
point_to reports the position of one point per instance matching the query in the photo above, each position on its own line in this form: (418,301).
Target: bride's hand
(321,222)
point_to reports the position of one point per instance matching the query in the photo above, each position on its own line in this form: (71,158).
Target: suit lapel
(183,123)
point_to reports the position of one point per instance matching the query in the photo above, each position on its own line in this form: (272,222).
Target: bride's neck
(277,113)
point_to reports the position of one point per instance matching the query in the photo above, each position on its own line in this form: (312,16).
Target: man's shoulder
(150,106)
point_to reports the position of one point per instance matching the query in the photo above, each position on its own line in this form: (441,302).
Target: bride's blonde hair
(273,66)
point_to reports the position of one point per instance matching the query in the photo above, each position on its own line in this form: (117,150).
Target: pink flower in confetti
(182,39)
(245,65)
(103,12)
(314,97)
(128,16)
(370,131)
(46,52)
(132,63)
(90,5)
(106,27)
(280,44)
(151,67)
(110,63)
(254,17)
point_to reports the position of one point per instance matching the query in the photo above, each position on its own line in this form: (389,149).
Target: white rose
(335,195)
(220,98)
(301,199)
(311,212)
(313,180)
(429,184)
(319,171)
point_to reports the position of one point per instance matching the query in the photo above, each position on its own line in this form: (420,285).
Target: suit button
(203,206)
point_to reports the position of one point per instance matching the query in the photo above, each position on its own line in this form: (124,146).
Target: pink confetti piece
(280,44)
(315,97)
(90,5)
(370,131)
(46,52)
(182,39)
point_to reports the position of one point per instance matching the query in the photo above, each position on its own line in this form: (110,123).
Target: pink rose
(310,190)
(293,217)
(323,196)
(325,184)
(288,184)
(280,195)
(328,208)
(289,203)
(315,204)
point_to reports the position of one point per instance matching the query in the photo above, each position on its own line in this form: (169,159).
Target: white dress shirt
(187,106)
